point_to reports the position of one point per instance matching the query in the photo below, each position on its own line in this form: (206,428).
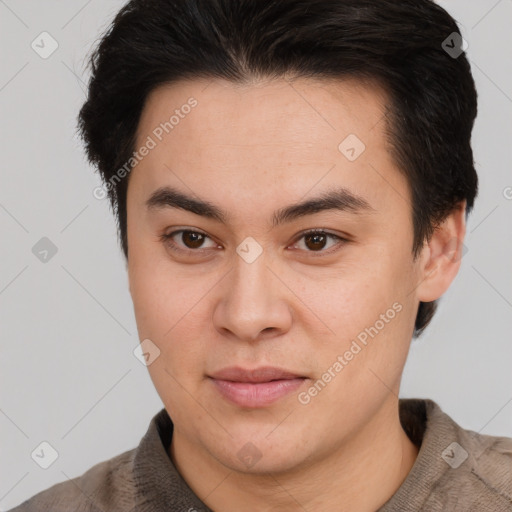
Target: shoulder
(478,475)
(108,485)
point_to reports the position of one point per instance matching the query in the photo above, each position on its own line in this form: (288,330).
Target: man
(291,182)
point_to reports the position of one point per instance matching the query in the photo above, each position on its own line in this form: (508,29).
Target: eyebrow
(340,199)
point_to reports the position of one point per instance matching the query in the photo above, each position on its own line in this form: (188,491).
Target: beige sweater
(456,470)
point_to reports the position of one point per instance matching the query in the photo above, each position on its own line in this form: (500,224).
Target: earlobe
(441,256)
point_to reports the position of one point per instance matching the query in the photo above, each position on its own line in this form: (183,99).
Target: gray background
(68,373)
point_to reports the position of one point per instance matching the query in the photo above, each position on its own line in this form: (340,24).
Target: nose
(253,302)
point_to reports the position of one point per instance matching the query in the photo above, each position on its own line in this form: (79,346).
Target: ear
(440,257)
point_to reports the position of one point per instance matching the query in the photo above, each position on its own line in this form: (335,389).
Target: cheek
(158,298)
(368,305)
(164,305)
(170,310)
(350,300)
(169,314)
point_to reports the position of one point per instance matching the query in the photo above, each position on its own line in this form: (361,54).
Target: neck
(359,475)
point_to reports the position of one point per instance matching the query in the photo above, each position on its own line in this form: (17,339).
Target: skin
(251,150)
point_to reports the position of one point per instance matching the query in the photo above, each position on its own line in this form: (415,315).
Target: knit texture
(473,475)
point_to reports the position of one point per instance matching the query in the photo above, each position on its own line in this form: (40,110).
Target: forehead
(252,109)
(273,138)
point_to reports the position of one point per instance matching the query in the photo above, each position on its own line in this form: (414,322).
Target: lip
(256,375)
(256,387)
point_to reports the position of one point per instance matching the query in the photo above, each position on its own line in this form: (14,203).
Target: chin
(261,453)
(262,463)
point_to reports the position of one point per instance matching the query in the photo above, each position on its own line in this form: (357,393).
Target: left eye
(316,240)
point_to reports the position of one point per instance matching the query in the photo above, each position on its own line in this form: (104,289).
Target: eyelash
(167,239)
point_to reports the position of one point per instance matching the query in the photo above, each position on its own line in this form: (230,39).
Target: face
(238,282)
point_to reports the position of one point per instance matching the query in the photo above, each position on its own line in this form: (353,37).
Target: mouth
(255,388)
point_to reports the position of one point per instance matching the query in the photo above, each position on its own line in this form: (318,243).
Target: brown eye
(186,240)
(192,239)
(315,241)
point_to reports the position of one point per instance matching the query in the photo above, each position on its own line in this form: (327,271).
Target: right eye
(192,240)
